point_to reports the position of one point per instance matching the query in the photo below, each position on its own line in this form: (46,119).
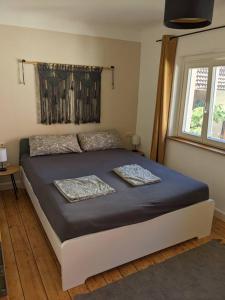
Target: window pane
(216,129)
(195,100)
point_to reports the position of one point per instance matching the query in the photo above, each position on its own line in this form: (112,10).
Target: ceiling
(116,18)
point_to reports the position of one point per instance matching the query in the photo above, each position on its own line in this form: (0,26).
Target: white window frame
(199,62)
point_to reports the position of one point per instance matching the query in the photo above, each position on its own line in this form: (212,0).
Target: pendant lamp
(188,14)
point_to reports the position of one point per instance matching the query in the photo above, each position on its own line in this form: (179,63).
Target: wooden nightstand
(3,291)
(11,170)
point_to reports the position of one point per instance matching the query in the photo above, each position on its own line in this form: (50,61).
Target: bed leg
(201,236)
(73,272)
(71,280)
(206,230)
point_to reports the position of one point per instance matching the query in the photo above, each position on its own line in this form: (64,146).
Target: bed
(95,235)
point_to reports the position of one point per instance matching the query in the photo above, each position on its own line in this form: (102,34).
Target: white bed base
(91,254)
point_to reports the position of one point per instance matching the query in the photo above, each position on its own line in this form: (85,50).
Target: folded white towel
(83,188)
(136,175)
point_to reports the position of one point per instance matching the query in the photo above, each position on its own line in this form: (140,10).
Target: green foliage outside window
(197,117)
(196,120)
(219,113)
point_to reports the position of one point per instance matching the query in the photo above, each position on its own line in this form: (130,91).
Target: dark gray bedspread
(128,205)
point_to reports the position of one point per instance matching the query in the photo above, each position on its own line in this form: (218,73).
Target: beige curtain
(165,81)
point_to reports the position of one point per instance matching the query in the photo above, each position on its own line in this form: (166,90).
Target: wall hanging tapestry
(69,93)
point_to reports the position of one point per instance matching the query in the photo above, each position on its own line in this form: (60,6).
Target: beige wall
(18,117)
(200,164)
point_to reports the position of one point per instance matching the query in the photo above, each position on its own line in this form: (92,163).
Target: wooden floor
(32,270)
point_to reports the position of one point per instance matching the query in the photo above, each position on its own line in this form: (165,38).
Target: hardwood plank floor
(11,269)
(32,270)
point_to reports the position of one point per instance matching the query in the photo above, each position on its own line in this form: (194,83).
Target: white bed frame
(91,254)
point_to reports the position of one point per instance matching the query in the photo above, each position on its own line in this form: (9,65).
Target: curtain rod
(40,62)
(195,32)
(23,61)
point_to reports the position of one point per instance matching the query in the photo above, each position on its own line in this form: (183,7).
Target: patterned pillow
(102,140)
(53,144)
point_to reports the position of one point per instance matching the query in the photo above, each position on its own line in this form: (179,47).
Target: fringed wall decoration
(87,94)
(55,101)
(69,93)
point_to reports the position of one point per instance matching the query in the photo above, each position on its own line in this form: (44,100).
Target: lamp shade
(3,154)
(188,14)
(136,140)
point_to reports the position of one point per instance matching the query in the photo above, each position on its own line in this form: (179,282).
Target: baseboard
(7,185)
(219,214)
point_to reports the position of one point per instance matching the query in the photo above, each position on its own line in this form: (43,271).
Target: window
(216,127)
(202,115)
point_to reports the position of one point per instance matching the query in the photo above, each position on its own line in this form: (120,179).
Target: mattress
(128,205)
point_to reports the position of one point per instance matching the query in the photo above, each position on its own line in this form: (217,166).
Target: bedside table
(11,170)
(3,291)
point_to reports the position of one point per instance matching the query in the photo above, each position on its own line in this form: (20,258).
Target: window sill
(198,145)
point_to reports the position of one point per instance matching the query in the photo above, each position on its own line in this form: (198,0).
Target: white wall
(200,164)
(18,111)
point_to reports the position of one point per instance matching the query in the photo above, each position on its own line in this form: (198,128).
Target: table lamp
(136,140)
(3,158)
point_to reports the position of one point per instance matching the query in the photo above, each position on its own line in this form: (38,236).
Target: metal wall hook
(21,71)
(113,77)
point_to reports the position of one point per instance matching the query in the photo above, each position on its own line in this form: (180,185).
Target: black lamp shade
(188,14)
